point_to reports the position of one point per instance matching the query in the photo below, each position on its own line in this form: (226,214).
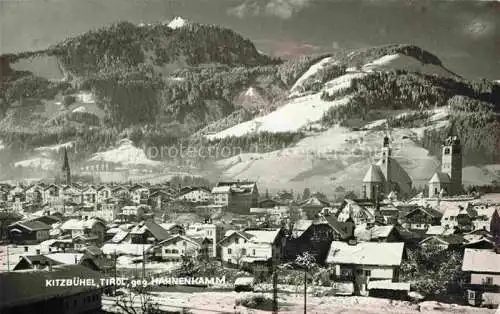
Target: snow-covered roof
(66,258)
(476,260)
(221,189)
(366,253)
(263,236)
(119,236)
(398,174)
(364,233)
(76,224)
(244,281)
(435,230)
(440,177)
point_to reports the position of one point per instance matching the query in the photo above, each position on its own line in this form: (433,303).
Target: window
(243,251)
(368,273)
(447,151)
(229,251)
(253,252)
(472,295)
(488,281)
(229,261)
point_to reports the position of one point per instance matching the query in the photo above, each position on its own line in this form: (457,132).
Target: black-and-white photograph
(249,156)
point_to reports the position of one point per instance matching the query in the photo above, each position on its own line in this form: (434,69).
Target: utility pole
(305,290)
(8,261)
(115,257)
(143,262)
(275,287)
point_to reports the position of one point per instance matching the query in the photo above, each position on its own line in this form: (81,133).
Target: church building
(448,181)
(386,176)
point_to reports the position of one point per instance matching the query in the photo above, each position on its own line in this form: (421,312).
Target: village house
(104,193)
(174,248)
(197,195)
(460,217)
(52,194)
(251,246)
(120,192)
(35,297)
(206,230)
(173,228)
(312,236)
(376,233)
(47,261)
(105,211)
(365,262)
(159,198)
(236,196)
(90,196)
(313,206)
(72,194)
(421,219)
(483,276)
(28,232)
(147,232)
(443,242)
(139,194)
(359,214)
(134,213)
(93,228)
(34,194)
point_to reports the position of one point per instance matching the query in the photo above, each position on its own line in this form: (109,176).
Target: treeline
(409,120)
(396,90)
(193,181)
(477,125)
(126,45)
(327,73)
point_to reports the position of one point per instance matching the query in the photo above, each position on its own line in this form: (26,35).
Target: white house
(250,246)
(175,247)
(204,230)
(90,195)
(197,195)
(365,261)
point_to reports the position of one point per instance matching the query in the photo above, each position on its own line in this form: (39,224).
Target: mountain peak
(177,22)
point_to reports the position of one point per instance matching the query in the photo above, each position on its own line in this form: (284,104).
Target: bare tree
(306,261)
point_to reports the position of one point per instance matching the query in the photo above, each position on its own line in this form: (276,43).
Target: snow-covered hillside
(404,62)
(127,154)
(295,114)
(296,88)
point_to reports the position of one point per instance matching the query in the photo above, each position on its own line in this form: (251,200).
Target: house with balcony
(482,269)
(91,229)
(34,194)
(174,248)
(52,194)
(421,219)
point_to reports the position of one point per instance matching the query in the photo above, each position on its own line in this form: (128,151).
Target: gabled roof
(426,210)
(364,233)
(32,225)
(156,230)
(476,260)
(450,239)
(440,177)
(366,253)
(398,175)
(76,224)
(314,202)
(230,233)
(374,175)
(337,226)
(263,236)
(179,237)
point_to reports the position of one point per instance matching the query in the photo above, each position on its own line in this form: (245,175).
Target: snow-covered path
(224,302)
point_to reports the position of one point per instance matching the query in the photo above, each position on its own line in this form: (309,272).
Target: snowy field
(224,302)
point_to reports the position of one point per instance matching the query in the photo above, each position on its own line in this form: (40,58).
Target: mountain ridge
(158,94)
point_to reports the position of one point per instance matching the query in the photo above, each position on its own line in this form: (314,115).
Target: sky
(462,33)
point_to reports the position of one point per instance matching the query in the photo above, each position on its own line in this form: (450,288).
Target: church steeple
(65,168)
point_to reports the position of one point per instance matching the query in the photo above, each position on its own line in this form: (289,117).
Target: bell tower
(451,164)
(66,172)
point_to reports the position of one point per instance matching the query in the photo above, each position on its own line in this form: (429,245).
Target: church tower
(65,168)
(451,164)
(385,164)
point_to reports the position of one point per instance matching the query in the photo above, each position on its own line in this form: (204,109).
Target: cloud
(283,9)
(479,27)
(245,9)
